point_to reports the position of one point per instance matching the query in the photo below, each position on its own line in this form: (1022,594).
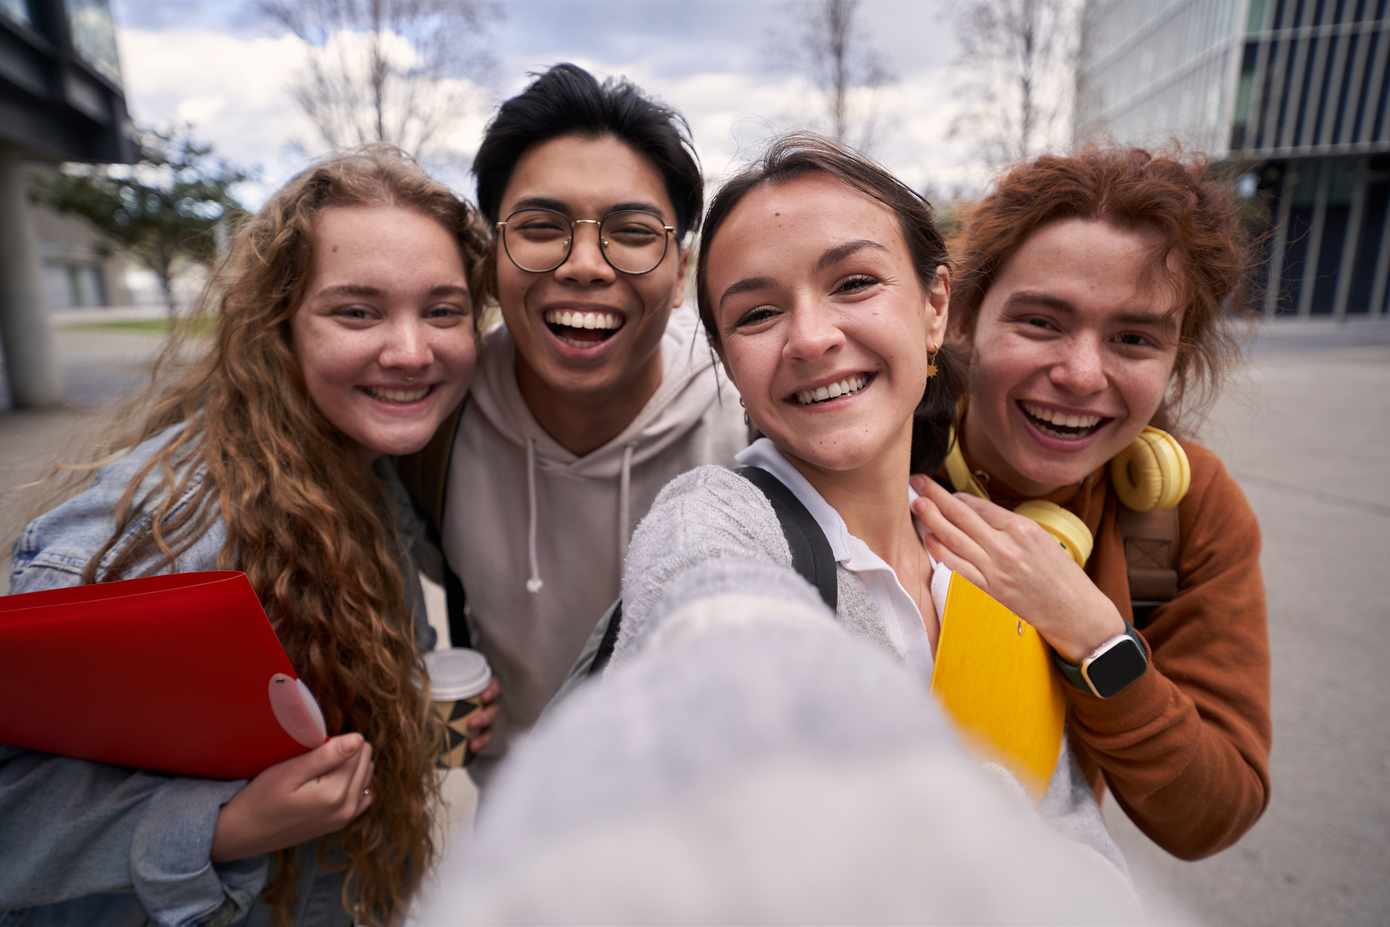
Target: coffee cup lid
(456,673)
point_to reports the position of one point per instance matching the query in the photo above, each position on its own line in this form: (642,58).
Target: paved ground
(1304,428)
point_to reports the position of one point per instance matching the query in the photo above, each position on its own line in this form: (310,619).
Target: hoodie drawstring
(624,503)
(533,584)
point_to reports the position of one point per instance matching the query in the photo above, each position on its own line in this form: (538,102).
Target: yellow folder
(995,678)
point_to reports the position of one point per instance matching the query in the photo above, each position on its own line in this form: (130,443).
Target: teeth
(1060,418)
(835,390)
(571,319)
(398,395)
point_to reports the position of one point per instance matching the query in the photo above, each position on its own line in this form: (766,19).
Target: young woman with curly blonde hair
(343,334)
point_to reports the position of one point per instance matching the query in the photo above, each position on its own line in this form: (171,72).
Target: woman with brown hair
(343,334)
(1093,298)
(823,284)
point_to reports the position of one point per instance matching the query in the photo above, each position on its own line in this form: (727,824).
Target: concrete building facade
(60,100)
(1294,95)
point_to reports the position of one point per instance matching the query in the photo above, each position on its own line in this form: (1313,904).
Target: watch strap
(1071,672)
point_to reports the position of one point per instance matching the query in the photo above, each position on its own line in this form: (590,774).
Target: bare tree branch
(1019,58)
(843,64)
(386,70)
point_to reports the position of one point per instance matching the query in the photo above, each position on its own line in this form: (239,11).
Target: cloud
(719,68)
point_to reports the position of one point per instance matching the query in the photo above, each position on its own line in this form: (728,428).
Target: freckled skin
(1087,359)
(405,324)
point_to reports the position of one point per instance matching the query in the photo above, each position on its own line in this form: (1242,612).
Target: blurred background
(132,133)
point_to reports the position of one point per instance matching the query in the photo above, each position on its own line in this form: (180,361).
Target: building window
(94,36)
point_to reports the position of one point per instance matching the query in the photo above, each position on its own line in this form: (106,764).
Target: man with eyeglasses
(592,396)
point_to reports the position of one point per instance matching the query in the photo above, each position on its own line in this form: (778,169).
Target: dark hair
(1195,216)
(568,100)
(801,153)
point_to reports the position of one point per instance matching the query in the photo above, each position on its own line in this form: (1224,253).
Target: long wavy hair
(1205,251)
(315,536)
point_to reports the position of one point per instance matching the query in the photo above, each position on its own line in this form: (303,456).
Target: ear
(937,305)
(682,267)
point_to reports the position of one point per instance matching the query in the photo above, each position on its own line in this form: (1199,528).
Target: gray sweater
(712,515)
(752,762)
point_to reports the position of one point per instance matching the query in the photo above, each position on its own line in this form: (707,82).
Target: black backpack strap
(610,640)
(456,604)
(811,554)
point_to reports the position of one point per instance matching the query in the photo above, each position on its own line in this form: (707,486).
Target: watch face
(1116,668)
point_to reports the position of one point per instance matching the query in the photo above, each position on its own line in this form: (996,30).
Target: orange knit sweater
(1185,748)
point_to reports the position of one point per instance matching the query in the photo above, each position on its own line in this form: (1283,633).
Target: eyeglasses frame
(574,233)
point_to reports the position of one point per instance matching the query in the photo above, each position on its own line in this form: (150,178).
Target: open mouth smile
(582,328)
(846,386)
(398,396)
(1069,426)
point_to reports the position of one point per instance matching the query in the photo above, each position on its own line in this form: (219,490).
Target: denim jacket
(85,843)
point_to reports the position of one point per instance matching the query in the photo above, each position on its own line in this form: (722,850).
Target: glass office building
(1294,95)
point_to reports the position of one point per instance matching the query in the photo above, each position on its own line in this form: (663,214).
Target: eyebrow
(747,284)
(545,202)
(1130,317)
(363,291)
(840,252)
(828,258)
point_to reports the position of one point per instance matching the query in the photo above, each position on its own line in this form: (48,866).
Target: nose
(586,265)
(1080,370)
(407,347)
(812,332)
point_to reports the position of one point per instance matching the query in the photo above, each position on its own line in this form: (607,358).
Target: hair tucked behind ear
(314,534)
(801,153)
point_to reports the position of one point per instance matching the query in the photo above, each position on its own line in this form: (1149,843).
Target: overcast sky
(728,65)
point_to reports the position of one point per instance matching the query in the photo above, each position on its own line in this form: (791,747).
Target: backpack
(811,555)
(1151,556)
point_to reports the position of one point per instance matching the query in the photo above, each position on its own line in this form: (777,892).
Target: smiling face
(1070,355)
(384,335)
(823,321)
(586,333)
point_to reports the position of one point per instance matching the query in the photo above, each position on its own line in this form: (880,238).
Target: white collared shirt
(902,620)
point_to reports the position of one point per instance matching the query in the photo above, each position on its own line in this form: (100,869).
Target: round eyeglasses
(539,240)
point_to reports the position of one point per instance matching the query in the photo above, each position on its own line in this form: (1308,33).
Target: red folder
(179,673)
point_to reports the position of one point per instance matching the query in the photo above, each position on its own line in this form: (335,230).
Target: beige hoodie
(538,535)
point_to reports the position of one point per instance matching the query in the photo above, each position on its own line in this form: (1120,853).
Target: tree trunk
(166,286)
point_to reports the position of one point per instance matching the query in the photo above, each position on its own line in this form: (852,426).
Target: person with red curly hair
(1093,300)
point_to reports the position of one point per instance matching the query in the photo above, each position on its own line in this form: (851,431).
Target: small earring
(932,369)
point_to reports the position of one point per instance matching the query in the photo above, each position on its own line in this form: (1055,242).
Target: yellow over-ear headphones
(1152,473)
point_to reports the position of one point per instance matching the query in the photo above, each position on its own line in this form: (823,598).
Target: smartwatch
(1110,667)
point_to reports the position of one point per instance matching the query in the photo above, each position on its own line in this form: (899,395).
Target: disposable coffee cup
(457,680)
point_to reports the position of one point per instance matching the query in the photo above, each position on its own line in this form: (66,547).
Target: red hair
(1204,252)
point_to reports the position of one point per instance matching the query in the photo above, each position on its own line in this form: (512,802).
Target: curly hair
(316,538)
(1204,255)
(799,153)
